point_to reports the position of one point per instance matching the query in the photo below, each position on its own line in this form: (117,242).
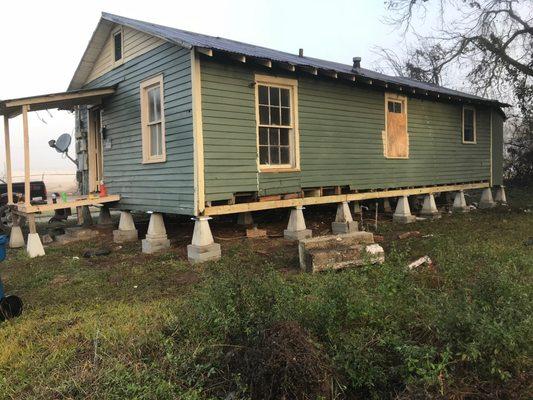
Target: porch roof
(63,100)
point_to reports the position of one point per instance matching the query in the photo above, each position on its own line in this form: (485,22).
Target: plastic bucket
(3,242)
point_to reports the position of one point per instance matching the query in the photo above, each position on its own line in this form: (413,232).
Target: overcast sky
(43,41)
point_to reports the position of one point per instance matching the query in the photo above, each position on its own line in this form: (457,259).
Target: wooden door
(95,150)
(397,139)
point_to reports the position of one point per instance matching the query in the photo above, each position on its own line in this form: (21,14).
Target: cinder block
(344,227)
(297,235)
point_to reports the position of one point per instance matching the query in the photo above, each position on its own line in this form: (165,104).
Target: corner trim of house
(490,151)
(199,182)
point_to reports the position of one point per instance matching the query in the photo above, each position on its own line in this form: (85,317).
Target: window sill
(154,160)
(274,170)
(397,158)
(465,142)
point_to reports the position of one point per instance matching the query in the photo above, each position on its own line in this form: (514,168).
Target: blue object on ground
(3,242)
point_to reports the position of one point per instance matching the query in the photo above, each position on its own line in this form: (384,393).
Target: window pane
(154,104)
(285,97)
(263,155)
(263,115)
(274,136)
(398,108)
(469,135)
(263,136)
(284,137)
(285,116)
(274,96)
(285,156)
(274,116)
(156,143)
(390,106)
(274,155)
(118,46)
(263,95)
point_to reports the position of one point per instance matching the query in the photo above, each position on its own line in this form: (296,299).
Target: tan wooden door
(95,150)
(397,140)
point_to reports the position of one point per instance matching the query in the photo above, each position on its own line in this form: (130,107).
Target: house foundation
(356,208)
(203,247)
(86,219)
(459,202)
(104,217)
(296,229)
(486,200)
(386,206)
(126,231)
(402,214)
(429,207)
(156,237)
(344,222)
(16,239)
(500,195)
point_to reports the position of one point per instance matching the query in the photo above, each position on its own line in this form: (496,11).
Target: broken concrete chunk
(76,234)
(255,233)
(338,251)
(47,239)
(410,234)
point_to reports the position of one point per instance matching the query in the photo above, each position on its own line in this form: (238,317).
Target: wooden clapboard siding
(340,138)
(497,149)
(164,187)
(135,44)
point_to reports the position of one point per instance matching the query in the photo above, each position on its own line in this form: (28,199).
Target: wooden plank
(27,191)
(199,169)
(30,209)
(267,205)
(58,97)
(9,175)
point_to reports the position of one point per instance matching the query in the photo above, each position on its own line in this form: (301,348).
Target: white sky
(43,41)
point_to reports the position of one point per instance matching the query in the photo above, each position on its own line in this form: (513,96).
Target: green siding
(340,138)
(497,148)
(163,187)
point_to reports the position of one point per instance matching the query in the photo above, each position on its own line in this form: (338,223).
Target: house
(178,122)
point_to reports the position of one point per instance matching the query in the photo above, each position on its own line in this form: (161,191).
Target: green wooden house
(204,126)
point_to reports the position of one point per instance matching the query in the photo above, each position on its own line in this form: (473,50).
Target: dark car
(37,196)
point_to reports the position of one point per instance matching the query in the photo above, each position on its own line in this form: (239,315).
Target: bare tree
(492,41)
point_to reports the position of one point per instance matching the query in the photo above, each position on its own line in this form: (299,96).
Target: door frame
(94,140)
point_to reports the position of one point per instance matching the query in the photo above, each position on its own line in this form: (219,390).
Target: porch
(24,206)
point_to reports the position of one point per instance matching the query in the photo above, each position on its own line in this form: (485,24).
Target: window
(277,123)
(395,136)
(153,120)
(117,45)
(469,125)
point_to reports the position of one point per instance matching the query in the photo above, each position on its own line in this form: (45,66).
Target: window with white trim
(153,120)
(469,125)
(277,123)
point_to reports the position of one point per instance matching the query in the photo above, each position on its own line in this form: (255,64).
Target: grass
(153,327)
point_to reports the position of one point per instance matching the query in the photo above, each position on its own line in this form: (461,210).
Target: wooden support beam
(263,61)
(237,57)
(307,201)
(287,66)
(331,74)
(31,223)
(311,70)
(203,50)
(9,176)
(27,193)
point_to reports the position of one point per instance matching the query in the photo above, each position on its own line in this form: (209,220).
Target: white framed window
(277,124)
(469,125)
(153,120)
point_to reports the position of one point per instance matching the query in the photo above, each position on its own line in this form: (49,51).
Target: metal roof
(314,65)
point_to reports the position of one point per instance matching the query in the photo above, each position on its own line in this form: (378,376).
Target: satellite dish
(63,142)
(61,145)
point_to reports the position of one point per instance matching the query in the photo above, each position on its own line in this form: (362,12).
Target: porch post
(8,161)
(27,194)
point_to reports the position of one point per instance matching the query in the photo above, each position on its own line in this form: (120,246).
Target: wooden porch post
(27,194)
(8,161)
